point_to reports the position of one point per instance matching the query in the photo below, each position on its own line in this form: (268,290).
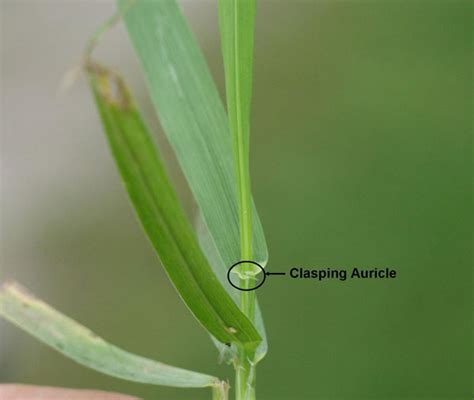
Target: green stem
(245,375)
(241,144)
(237,19)
(245,371)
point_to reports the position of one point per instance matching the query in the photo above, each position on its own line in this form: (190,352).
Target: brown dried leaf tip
(110,85)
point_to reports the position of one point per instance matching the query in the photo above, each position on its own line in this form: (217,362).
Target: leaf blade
(237,24)
(161,215)
(80,344)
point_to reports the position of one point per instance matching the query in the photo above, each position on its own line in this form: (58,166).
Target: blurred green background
(361,156)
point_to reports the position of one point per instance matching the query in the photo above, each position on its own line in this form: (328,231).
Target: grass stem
(237,20)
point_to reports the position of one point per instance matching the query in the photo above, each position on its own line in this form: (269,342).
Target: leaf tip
(109,85)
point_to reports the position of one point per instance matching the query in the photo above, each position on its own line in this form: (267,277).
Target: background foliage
(360,156)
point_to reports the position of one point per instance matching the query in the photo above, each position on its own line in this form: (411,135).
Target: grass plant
(212,147)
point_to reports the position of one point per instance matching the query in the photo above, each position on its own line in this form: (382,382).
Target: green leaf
(194,119)
(77,342)
(161,215)
(237,24)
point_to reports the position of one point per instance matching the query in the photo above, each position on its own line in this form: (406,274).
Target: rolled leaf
(161,215)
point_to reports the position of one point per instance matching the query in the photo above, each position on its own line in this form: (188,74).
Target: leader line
(274,273)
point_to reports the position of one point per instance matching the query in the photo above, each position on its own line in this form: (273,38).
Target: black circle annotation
(264,275)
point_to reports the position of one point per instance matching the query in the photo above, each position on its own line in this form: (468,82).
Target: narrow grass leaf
(237,24)
(161,215)
(80,344)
